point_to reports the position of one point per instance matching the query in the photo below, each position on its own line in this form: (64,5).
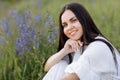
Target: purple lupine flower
(49,39)
(13,13)
(33,35)
(21,41)
(5,26)
(49,21)
(51,29)
(19,20)
(2,41)
(54,33)
(27,16)
(27,38)
(37,18)
(19,47)
(24,29)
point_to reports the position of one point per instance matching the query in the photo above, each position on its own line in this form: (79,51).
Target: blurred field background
(29,33)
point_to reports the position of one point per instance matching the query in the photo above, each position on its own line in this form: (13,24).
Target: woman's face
(71,25)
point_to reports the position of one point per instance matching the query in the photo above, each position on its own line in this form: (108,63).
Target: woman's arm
(70,76)
(54,59)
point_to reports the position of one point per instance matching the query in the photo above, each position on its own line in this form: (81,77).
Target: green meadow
(29,33)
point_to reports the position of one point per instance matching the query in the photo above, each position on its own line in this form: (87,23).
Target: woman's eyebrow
(69,19)
(72,18)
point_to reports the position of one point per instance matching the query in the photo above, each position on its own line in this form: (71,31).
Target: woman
(79,56)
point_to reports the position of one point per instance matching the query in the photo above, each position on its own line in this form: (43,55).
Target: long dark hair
(90,30)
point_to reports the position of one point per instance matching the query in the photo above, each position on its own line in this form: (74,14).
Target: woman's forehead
(67,15)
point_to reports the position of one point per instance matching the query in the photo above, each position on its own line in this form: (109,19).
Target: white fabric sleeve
(96,63)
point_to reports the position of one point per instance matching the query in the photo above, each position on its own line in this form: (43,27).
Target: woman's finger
(80,43)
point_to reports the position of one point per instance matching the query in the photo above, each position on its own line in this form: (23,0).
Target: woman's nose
(70,26)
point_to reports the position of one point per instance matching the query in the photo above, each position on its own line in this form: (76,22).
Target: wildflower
(49,21)
(13,13)
(19,20)
(5,27)
(37,18)
(27,39)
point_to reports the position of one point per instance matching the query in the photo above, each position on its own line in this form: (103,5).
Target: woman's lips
(73,33)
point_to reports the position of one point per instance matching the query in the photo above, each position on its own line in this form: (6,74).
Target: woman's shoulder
(97,48)
(98,44)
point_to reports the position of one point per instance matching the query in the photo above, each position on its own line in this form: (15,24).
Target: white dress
(96,63)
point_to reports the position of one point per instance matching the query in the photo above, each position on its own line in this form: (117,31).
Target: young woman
(79,56)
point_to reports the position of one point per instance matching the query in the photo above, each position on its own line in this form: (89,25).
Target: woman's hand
(72,45)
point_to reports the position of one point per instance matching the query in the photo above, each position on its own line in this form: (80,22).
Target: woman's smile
(72,32)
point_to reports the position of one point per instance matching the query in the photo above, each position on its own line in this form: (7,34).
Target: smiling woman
(80,56)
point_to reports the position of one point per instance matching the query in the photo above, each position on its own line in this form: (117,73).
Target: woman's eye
(74,20)
(64,25)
